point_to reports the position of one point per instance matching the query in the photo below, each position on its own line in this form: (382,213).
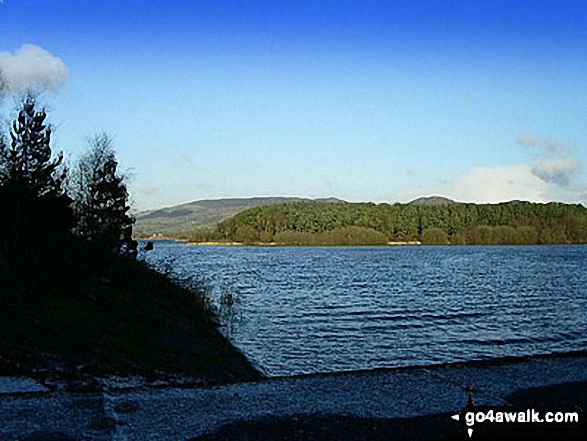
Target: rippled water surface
(305,310)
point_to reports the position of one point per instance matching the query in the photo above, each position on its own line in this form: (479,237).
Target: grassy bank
(71,323)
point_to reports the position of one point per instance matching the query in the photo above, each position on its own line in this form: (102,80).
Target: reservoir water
(307,310)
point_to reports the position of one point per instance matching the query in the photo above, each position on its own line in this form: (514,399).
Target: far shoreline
(279,244)
(389,244)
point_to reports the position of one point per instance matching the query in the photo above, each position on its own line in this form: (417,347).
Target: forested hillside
(513,222)
(196,220)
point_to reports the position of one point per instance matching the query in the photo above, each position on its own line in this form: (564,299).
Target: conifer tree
(33,202)
(27,161)
(101,197)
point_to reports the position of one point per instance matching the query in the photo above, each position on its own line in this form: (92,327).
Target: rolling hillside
(179,220)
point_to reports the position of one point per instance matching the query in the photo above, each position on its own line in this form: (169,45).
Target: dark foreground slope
(71,324)
(72,307)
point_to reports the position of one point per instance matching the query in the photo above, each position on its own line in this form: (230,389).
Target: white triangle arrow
(470,432)
(456,417)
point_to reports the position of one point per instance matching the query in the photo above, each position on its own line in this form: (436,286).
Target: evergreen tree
(34,209)
(27,161)
(101,197)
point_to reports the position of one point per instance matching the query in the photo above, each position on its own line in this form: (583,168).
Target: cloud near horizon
(554,177)
(557,170)
(550,145)
(32,68)
(489,185)
(559,164)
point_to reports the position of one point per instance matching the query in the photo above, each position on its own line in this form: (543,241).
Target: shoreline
(409,403)
(477,364)
(279,244)
(389,244)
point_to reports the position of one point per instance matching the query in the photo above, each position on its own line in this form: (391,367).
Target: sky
(382,101)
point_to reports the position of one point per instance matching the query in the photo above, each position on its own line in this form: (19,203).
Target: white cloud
(489,185)
(556,176)
(32,67)
(505,183)
(557,170)
(499,184)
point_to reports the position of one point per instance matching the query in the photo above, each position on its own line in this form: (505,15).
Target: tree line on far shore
(509,223)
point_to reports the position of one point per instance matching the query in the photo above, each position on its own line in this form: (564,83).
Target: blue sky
(479,101)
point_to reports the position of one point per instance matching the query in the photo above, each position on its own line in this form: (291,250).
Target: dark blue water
(306,310)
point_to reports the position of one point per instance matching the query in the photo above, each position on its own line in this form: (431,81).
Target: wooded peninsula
(315,223)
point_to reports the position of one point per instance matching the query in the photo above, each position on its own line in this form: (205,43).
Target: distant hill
(179,220)
(433,200)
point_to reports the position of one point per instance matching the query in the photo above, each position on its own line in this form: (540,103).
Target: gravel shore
(410,403)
